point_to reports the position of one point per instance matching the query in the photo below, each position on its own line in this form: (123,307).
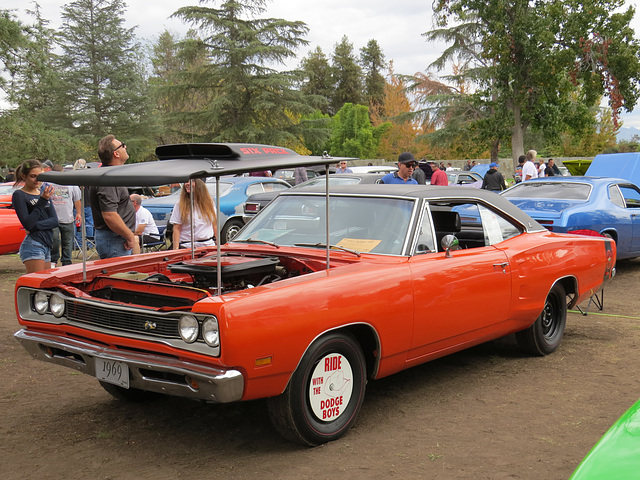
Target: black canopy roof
(178,163)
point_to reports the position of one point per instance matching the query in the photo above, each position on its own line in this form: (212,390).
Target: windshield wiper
(324,245)
(257,240)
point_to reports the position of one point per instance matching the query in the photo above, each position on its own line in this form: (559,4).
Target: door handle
(503,266)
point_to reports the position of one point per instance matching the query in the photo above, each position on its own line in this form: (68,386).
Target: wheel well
(612,233)
(570,288)
(368,340)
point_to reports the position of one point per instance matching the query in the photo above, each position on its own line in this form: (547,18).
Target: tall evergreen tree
(373,64)
(13,40)
(347,76)
(246,99)
(316,73)
(104,72)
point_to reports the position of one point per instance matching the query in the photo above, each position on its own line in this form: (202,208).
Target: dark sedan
(259,200)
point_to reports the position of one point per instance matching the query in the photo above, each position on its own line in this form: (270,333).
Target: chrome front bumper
(148,372)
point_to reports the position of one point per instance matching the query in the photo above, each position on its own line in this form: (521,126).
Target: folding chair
(152,243)
(91,248)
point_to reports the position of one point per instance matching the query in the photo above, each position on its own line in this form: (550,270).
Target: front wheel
(545,335)
(324,394)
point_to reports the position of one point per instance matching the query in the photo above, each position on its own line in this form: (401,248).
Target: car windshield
(550,190)
(333,180)
(364,224)
(6,189)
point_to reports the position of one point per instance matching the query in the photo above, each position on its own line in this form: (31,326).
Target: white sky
(395,24)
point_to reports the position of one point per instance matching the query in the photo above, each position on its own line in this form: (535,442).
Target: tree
(316,73)
(246,99)
(352,134)
(372,61)
(347,76)
(545,64)
(13,40)
(104,74)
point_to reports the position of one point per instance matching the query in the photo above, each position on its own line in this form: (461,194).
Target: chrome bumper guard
(146,372)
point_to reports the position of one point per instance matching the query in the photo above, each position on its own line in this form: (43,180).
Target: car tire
(545,334)
(231,229)
(324,394)
(128,394)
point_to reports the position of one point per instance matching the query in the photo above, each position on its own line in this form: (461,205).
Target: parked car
(610,206)
(320,293)
(11,231)
(287,174)
(384,169)
(234,191)
(259,200)
(615,456)
(6,193)
(465,179)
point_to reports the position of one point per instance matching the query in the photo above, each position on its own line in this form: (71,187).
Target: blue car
(234,191)
(609,206)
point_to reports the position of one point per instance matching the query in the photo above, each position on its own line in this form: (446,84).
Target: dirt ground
(487,413)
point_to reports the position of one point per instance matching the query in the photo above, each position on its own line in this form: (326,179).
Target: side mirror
(448,243)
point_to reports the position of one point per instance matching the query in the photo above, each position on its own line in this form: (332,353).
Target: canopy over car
(181,162)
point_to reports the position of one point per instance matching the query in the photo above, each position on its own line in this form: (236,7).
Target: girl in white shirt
(204,214)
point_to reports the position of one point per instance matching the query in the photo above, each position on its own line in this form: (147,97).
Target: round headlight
(188,328)
(41,302)
(56,305)
(210,331)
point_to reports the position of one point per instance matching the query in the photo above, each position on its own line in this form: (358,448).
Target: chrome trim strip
(214,384)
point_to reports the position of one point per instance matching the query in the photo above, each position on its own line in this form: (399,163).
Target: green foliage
(352,134)
(13,40)
(347,76)
(103,71)
(316,77)
(372,61)
(240,97)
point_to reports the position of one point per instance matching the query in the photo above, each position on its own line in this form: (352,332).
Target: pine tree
(347,76)
(317,79)
(372,61)
(246,99)
(104,73)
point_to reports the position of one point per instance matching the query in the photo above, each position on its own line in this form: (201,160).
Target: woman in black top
(37,216)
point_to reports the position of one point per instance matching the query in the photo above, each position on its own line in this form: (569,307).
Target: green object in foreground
(616,456)
(577,167)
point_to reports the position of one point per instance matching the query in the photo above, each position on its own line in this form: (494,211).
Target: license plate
(112,371)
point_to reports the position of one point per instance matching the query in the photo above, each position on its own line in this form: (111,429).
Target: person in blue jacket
(37,216)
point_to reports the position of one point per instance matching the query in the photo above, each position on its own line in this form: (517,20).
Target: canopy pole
(218,239)
(83,230)
(192,186)
(326,175)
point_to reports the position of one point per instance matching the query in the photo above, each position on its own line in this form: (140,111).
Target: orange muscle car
(318,294)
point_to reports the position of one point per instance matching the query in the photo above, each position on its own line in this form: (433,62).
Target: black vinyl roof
(181,162)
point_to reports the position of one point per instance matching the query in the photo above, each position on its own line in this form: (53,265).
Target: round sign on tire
(330,387)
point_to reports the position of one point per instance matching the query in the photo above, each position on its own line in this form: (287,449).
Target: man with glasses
(406,165)
(342,168)
(114,217)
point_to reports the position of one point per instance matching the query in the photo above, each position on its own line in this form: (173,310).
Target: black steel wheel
(324,394)
(545,334)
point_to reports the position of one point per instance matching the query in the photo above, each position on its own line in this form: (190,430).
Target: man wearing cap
(406,164)
(493,179)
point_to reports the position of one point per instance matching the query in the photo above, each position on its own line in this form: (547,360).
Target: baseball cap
(493,164)
(406,157)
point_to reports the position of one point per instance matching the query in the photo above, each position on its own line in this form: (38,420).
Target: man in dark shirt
(114,217)
(493,179)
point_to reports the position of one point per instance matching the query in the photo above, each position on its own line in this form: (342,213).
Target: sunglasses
(122,145)
(410,165)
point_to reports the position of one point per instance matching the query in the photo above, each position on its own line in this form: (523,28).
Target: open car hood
(181,162)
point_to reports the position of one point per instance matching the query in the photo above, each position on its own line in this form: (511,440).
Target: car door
(461,297)
(631,195)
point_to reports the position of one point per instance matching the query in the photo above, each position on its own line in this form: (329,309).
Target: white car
(373,169)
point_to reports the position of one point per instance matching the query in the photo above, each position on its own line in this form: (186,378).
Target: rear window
(551,190)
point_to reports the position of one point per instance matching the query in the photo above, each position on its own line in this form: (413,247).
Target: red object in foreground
(11,231)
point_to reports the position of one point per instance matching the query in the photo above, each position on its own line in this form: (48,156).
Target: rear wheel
(545,335)
(325,393)
(231,229)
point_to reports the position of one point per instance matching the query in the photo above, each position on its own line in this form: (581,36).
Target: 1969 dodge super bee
(318,294)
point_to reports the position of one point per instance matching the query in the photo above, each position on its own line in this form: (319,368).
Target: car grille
(122,319)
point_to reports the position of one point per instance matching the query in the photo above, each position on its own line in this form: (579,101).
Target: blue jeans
(109,244)
(63,237)
(31,249)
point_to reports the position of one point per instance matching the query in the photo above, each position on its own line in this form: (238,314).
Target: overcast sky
(395,24)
